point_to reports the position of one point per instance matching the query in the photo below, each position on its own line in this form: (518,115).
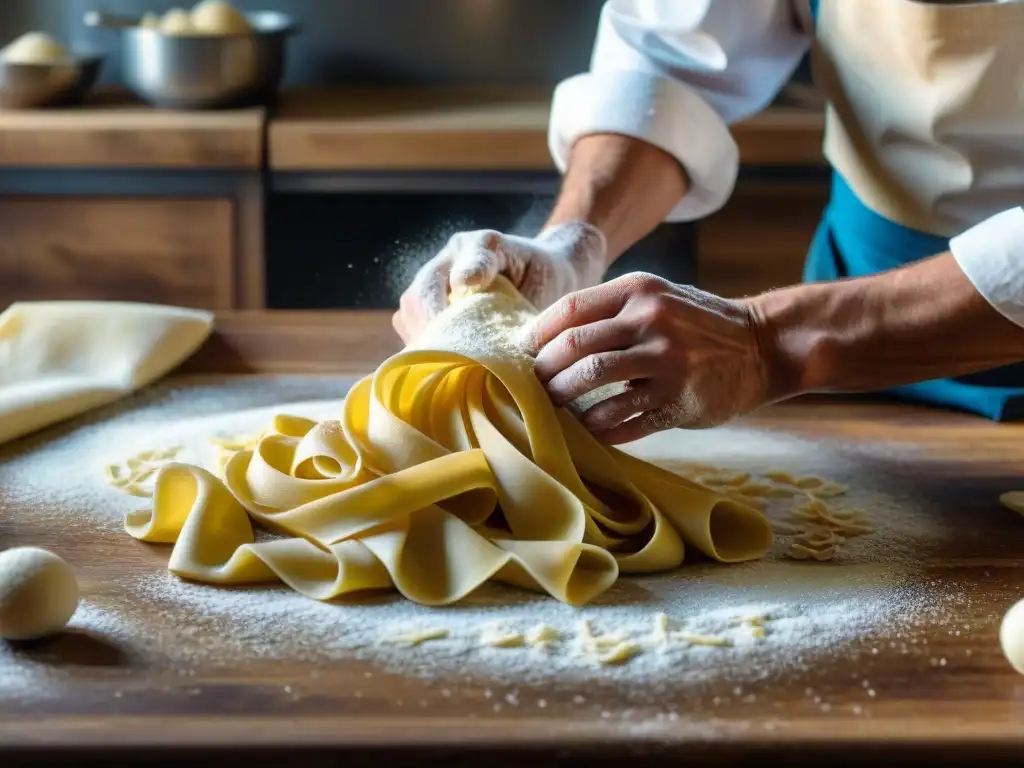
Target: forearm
(916,323)
(621,185)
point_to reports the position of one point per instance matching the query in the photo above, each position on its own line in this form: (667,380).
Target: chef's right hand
(560,260)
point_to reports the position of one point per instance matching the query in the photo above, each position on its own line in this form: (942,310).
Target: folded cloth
(60,359)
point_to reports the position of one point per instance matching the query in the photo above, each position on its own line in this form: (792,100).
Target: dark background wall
(533,42)
(376,41)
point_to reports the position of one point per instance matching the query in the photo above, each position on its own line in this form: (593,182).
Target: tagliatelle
(448,467)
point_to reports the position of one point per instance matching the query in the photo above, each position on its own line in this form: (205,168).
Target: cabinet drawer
(168,251)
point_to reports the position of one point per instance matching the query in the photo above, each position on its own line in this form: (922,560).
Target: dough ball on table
(177,22)
(1011,636)
(38,593)
(34,48)
(217,17)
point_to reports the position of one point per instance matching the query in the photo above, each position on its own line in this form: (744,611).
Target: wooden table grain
(968,710)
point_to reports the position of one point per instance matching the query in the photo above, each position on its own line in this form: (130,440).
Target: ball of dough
(177,22)
(150,21)
(218,17)
(34,48)
(1011,636)
(38,593)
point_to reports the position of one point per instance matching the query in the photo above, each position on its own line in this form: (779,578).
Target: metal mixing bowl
(200,71)
(60,84)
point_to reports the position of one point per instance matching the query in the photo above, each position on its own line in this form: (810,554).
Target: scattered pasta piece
(417,638)
(758,633)
(619,654)
(135,490)
(754,489)
(659,635)
(713,641)
(800,552)
(497,637)
(542,636)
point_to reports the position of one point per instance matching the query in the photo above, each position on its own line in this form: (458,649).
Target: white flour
(869,597)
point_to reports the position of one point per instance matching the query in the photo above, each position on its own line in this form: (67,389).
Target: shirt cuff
(991,254)
(660,111)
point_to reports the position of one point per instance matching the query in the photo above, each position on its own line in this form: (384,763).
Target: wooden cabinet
(759,240)
(170,251)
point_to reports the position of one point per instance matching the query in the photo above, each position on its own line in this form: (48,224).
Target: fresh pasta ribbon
(448,467)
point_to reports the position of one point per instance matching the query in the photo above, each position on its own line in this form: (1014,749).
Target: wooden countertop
(473,129)
(967,709)
(116,131)
(412,129)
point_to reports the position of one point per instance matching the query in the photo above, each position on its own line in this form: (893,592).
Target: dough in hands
(34,48)
(218,17)
(446,468)
(38,593)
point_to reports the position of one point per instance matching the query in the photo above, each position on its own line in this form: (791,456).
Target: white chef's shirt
(678,73)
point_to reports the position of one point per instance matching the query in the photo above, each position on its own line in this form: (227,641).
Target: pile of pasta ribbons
(447,467)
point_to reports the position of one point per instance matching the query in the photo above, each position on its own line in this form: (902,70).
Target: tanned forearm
(915,323)
(622,186)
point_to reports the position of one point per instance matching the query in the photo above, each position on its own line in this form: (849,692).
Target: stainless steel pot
(202,71)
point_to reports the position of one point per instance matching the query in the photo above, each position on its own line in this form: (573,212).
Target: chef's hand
(691,359)
(560,260)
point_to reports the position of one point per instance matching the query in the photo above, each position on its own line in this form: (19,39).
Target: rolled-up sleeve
(677,74)
(991,254)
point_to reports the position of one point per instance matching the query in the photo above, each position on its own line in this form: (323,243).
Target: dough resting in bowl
(34,48)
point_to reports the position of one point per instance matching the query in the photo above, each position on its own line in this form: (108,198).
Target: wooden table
(967,710)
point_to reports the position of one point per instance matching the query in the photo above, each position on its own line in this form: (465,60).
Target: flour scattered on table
(700,624)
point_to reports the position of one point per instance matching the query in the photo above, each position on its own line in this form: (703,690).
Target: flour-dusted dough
(38,593)
(60,359)
(217,17)
(1011,636)
(448,467)
(33,48)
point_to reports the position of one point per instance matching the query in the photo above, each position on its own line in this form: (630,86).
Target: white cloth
(60,359)
(678,73)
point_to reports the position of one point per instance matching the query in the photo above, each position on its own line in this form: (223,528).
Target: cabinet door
(167,251)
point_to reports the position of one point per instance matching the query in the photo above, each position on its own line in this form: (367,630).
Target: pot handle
(108,20)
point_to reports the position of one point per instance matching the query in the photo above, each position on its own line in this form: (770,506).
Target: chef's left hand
(691,359)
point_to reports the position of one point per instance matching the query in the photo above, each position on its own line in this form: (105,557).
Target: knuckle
(594,368)
(568,306)
(571,340)
(640,399)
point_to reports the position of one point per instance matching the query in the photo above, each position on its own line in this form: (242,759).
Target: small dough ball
(177,22)
(38,593)
(34,48)
(1011,636)
(150,21)
(218,17)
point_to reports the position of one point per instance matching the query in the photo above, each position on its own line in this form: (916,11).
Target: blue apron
(852,240)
